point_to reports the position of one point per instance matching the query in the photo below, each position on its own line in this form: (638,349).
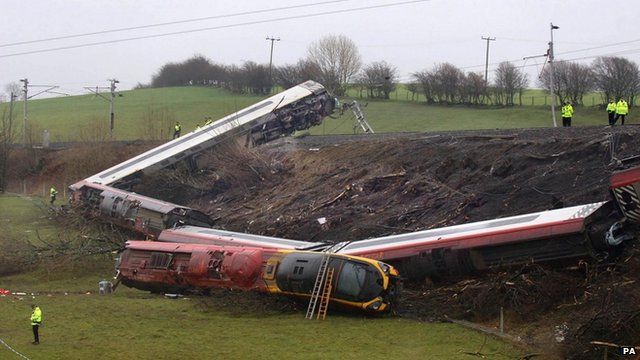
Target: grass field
(26,218)
(75,118)
(138,325)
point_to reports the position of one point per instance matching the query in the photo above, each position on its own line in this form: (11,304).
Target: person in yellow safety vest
(611,112)
(52,194)
(177,128)
(567,114)
(36,321)
(208,121)
(622,110)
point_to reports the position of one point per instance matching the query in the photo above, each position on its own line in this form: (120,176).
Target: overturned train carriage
(297,108)
(594,230)
(359,283)
(586,230)
(132,211)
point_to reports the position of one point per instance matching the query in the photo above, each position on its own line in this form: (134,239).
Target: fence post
(545,100)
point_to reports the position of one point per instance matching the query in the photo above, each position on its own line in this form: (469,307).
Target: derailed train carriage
(189,255)
(359,283)
(586,230)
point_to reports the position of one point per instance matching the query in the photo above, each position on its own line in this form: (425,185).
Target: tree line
(335,62)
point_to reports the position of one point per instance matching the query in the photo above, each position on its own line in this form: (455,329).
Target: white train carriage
(297,108)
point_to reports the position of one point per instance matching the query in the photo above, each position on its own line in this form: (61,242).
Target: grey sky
(412,37)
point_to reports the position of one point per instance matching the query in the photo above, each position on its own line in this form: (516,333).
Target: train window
(160,260)
(352,280)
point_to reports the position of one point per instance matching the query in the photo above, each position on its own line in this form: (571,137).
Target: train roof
(201,235)
(544,224)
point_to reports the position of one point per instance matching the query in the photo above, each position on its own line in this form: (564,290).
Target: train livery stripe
(627,198)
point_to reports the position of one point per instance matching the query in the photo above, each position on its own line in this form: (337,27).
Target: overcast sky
(411,36)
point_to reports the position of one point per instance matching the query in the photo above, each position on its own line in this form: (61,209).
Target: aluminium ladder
(326,295)
(360,119)
(319,286)
(323,282)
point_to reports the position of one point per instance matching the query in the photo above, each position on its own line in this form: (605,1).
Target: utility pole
(110,99)
(112,87)
(551,85)
(486,62)
(25,93)
(271,57)
(11,102)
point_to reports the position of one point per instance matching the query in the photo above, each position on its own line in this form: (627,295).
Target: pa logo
(629,350)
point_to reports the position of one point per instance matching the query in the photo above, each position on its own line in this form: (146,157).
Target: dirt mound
(378,186)
(382,185)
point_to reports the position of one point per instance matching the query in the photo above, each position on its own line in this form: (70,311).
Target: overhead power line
(332,12)
(598,47)
(619,52)
(170,23)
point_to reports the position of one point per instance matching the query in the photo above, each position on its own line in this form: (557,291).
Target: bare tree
(256,78)
(616,77)
(337,59)
(448,82)
(379,79)
(509,82)
(291,75)
(13,87)
(572,81)
(197,70)
(426,82)
(474,88)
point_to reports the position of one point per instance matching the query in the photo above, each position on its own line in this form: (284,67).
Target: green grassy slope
(395,116)
(25,218)
(75,118)
(69,118)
